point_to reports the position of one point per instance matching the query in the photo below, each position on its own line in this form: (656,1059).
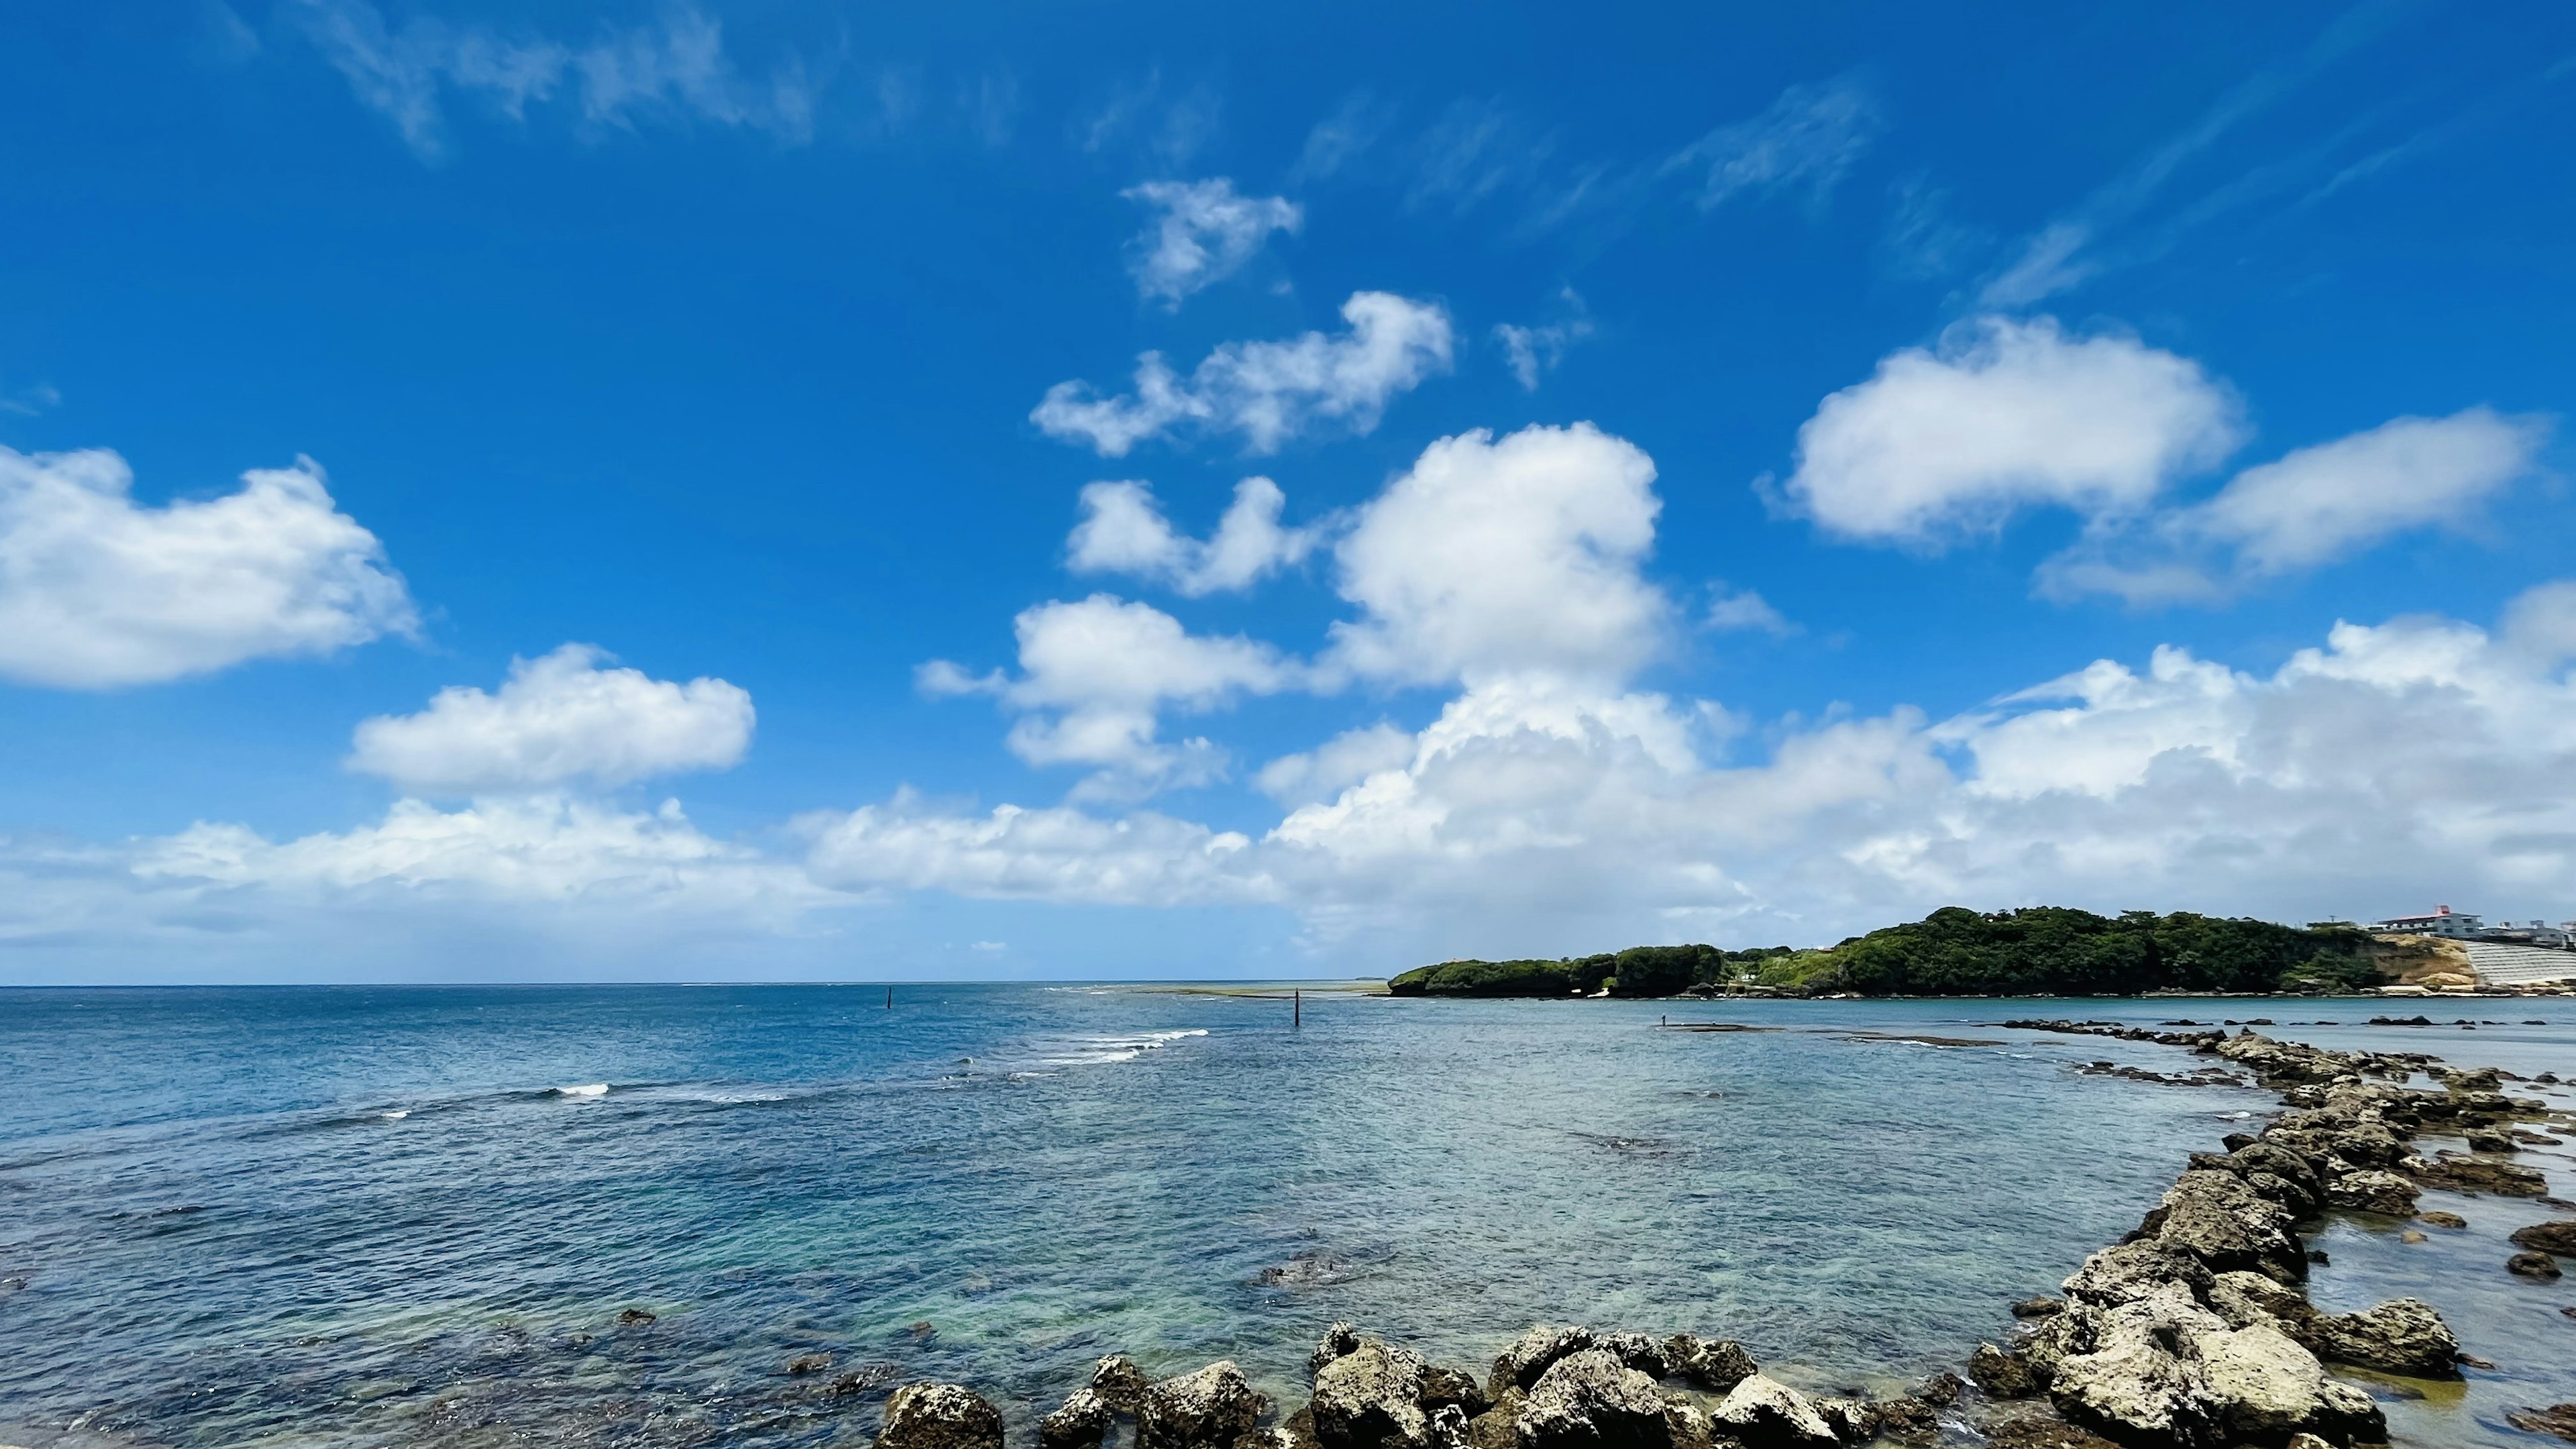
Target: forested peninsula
(2037,951)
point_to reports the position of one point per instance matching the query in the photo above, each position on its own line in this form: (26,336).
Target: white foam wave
(1093,1059)
(594,1089)
(394,1116)
(1143,1041)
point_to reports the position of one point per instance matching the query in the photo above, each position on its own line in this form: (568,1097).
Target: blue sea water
(374,1216)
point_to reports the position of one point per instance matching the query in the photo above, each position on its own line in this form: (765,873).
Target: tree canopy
(2035,951)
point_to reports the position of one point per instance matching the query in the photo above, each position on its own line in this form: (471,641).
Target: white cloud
(2007,414)
(2409,760)
(2311,507)
(1094,678)
(1534,350)
(1270,392)
(1743,609)
(2541,623)
(1494,557)
(1014,853)
(1122,531)
(1333,766)
(97,592)
(558,719)
(537,848)
(534,885)
(2318,502)
(1807,138)
(676,68)
(1203,234)
(2412,757)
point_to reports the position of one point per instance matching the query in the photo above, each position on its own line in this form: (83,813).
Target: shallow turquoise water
(364,1216)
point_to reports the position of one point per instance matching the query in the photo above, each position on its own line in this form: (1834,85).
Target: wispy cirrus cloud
(2223,164)
(1479,152)
(674,68)
(1804,141)
(1170,126)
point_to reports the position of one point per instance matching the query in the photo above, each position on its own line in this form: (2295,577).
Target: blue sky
(1744,475)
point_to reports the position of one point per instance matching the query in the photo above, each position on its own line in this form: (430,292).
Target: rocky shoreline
(2193,1332)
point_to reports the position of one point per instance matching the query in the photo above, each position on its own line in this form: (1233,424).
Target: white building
(2453,925)
(2444,922)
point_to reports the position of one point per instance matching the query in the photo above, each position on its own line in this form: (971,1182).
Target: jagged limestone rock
(1590,1400)
(2401,1336)
(1371,1398)
(1208,1409)
(1763,1413)
(1717,1364)
(939,1416)
(1530,1355)
(1080,1423)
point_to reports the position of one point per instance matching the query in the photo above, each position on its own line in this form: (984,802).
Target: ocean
(440,1216)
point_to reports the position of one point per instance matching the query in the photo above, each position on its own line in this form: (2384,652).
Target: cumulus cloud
(97,591)
(1502,556)
(675,68)
(1014,853)
(2007,414)
(2412,472)
(2410,756)
(1555,805)
(1806,140)
(1124,531)
(1095,676)
(1335,765)
(2309,508)
(539,848)
(2393,761)
(559,719)
(1202,234)
(1270,392)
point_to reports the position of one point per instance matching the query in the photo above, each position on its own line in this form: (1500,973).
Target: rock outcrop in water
(1209,1409)
(1590,1400)
(1080,1423)
(1371,1396)
(2192,1332)
(2195,1331)
(939,1416)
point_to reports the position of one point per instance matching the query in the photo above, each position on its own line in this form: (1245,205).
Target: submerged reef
(2192,1332)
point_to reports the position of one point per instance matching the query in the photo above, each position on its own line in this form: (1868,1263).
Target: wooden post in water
(889,998)
(1297,1009)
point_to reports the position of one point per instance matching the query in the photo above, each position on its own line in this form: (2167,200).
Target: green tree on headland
(2037,951)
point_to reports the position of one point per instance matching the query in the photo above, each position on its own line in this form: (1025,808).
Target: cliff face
(2422,961)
